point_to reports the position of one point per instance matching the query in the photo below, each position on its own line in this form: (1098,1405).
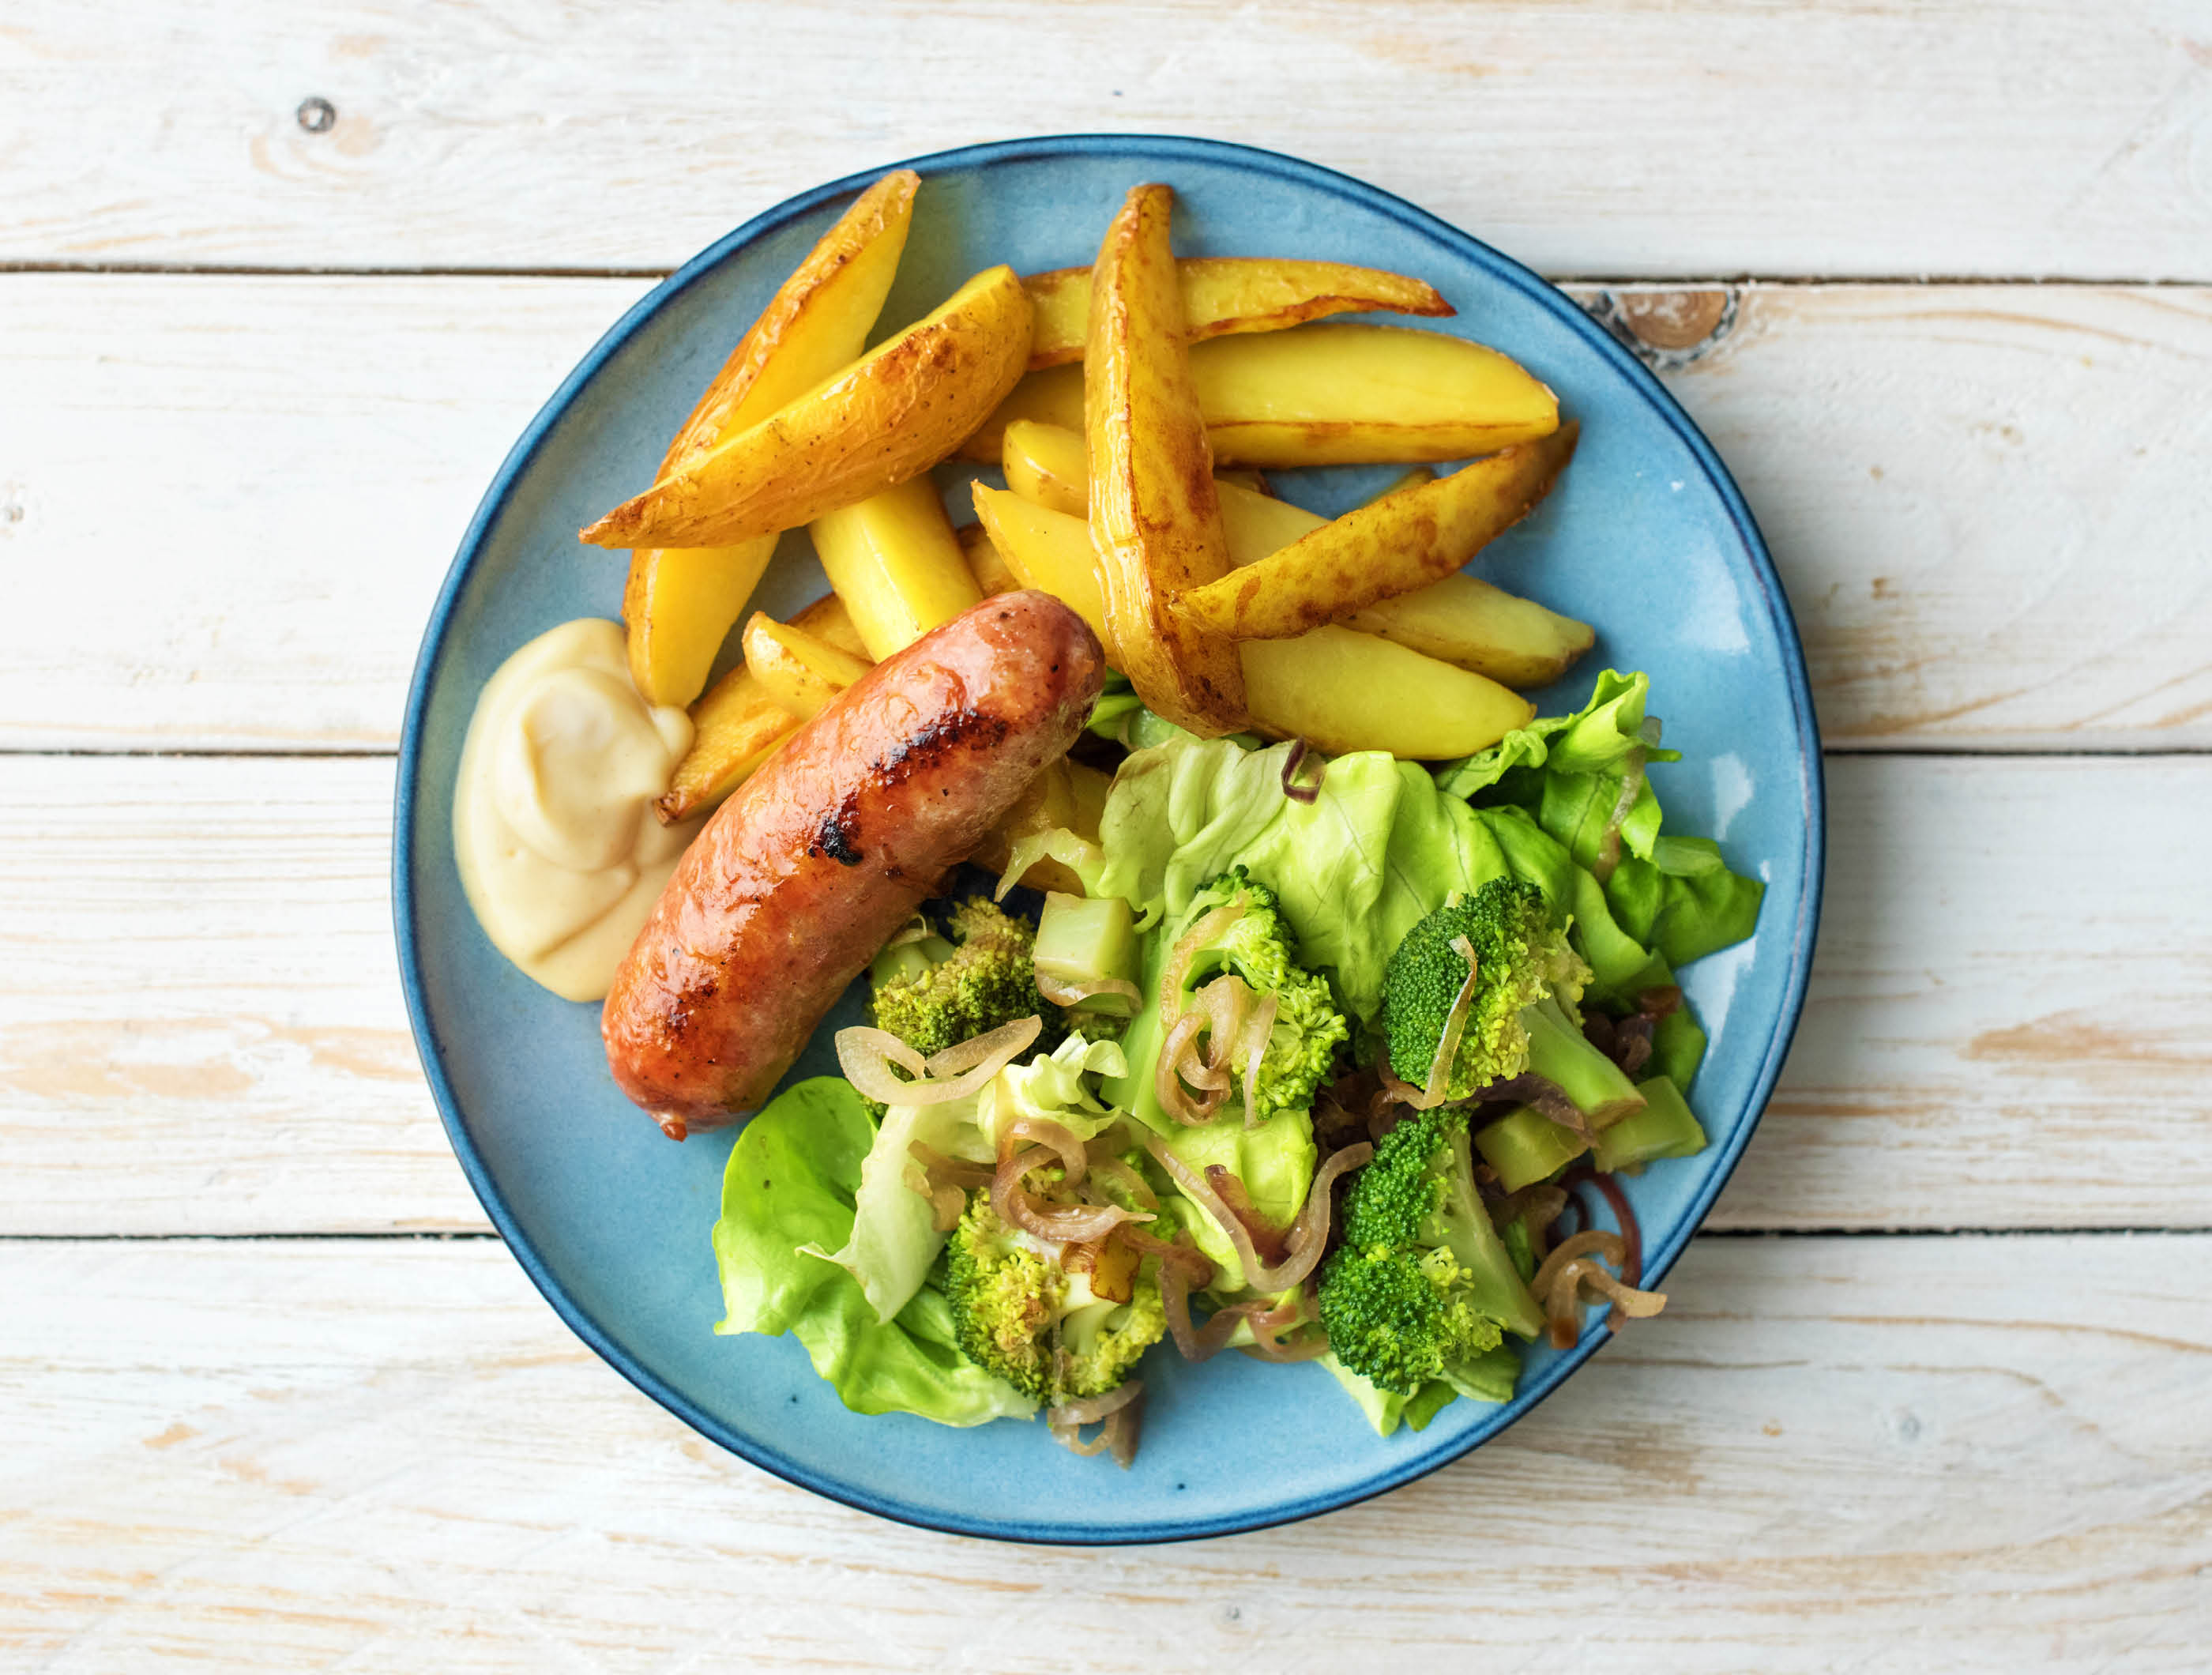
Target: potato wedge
(1044,463)
(1343,691)
(1154,518)
(680,602)
(984,562)
(888,417)
(1338,395)
(1050,552)
(798,673)
(736,726)
(894,560)
(1392,545)
(1066,794)
(1462,619)
(1226,294)
(1326,395)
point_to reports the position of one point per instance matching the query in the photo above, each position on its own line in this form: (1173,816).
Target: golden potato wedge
(1050,552)
(1340,395)
(680,602)
(984,562)
(1044,463)
(1326,395)
(1154,517)
(1256,481)
(1464,620)
(888,417)
(798,673)
(1226,294)
(1392,545)
(1343,691)
(894,560)
(1066,794)
(736,726)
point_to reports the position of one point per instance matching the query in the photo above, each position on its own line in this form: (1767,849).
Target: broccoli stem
(1465,1224)
(1560,1053)
(1085,939)
(1525,1147)
(1664,1128)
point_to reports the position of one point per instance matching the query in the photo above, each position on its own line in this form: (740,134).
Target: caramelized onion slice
(867,1056)
(1432,1093)
(1575,1264)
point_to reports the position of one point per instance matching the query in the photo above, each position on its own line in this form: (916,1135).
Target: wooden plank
(201,1029)
(1987,139)
(380,1455)
(1986,501)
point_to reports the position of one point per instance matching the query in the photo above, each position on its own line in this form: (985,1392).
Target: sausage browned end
(805,873)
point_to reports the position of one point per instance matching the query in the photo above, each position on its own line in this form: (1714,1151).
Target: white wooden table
(1935,1391)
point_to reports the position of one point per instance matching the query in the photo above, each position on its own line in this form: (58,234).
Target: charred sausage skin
(812,865)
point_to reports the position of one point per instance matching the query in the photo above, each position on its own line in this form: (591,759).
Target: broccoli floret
(1520,1018)
(1422,1284)
(1259,946)
(986,979)
(1017,1313)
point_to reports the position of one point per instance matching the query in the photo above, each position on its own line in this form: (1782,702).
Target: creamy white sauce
(559,851)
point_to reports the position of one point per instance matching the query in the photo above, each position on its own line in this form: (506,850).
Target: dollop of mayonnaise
(559,851)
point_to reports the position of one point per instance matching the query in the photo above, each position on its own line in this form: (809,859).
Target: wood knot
(1669,329)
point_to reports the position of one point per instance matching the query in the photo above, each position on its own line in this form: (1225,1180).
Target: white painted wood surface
(1987,502)
(1829,1453)
(2018,140)
(203,1029)
(226,500)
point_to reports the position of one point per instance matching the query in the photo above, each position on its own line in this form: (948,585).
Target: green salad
(1309,1071)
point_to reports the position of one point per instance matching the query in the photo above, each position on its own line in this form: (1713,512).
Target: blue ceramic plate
(1646,538)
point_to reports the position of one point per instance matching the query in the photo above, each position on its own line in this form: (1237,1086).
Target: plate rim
(1415,1464)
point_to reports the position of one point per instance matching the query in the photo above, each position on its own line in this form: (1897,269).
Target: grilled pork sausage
(812,865)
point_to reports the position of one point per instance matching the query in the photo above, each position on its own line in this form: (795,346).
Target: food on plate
(1391,546)
(1332,394)
(1457,618)
(894,560)
(738,725)
(1154,518)
(1222,294)
(888,417)
(1340,691)
(1325,989)
(680,602)
(801,876)
(798,673)
(560,853)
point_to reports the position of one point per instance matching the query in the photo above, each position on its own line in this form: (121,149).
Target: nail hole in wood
(318,116)
(1669,329)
